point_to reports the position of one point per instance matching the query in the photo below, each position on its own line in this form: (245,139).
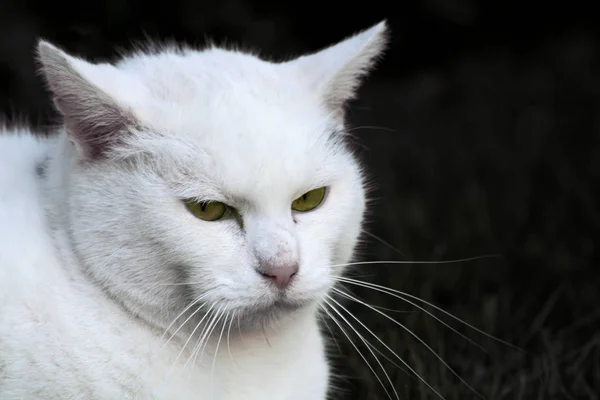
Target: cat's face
(158,136)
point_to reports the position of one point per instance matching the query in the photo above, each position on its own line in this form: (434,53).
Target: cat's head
(211,176)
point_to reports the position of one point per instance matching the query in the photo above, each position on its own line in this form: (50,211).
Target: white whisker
(388,348)
(265,335)
(436,355)
(366,285)
(366,342)
(179,316)
(331,332)
(374,348)
(398,294)
(190,337)
(355,346)
(381,128)
(240,328)
(460,260)
(202,339)
(205,336)
(212,374)
(183,324)
(228,343)
(384,242)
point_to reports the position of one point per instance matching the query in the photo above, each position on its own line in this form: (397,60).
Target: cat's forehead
(220,93)
(181,77)
(250,123)
(255,157)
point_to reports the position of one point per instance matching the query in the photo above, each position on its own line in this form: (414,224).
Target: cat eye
(206,210)
(309,200)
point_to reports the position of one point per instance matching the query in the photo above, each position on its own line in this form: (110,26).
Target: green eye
(207,210)
(309,200)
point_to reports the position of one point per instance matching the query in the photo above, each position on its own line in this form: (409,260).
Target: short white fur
(98,254)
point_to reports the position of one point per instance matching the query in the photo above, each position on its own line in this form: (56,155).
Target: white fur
(99,256)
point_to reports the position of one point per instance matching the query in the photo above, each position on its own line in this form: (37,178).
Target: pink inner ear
(95,125)
(87,152)
(92,118)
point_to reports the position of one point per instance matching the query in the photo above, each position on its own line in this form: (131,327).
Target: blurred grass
(547,319)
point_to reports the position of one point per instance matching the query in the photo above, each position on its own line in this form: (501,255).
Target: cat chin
(259,315)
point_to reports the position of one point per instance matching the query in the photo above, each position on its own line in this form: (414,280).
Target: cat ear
(92,118)
(336,72)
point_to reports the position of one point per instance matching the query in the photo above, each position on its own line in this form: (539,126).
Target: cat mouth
(264,313)
(281,303)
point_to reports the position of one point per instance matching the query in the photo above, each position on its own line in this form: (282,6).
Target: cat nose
(280,274)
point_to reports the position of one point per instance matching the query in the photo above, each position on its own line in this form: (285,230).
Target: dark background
(481,130)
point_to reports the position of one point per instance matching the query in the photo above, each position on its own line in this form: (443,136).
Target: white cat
(176,238)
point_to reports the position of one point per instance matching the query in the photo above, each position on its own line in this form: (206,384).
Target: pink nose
(280,274)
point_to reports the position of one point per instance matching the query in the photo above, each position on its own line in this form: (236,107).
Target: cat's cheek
(315,254)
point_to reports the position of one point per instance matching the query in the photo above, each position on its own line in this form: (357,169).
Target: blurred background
(481,132)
